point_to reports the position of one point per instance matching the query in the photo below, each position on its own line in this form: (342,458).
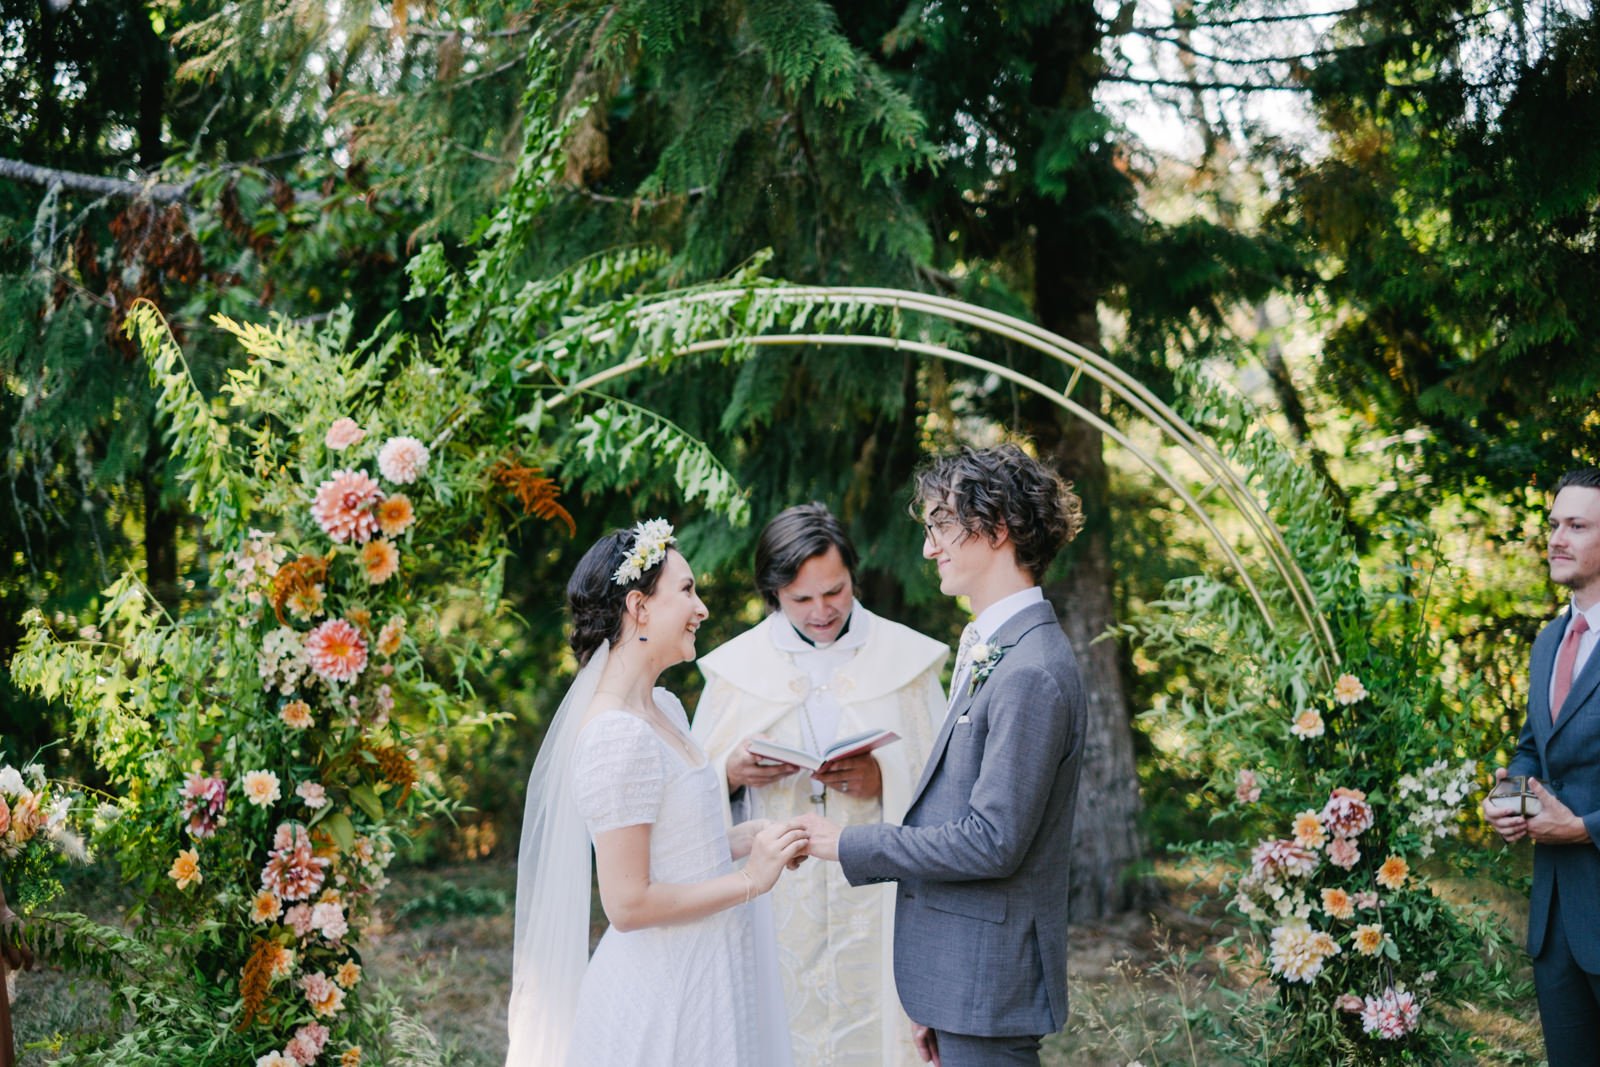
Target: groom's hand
(824,834)
(927,1044)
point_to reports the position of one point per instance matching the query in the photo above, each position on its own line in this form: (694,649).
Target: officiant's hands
(776,846)
(824,836)
(744,768)
(859,776)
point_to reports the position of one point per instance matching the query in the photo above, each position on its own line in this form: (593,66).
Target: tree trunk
(160,530)
(1106,842)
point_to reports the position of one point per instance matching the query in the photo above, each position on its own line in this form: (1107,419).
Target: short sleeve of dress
(618,773)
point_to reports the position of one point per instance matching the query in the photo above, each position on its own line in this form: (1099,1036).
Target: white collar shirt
(989,621)
(1586,643)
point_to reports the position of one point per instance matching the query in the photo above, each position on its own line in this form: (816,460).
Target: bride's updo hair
(595,601)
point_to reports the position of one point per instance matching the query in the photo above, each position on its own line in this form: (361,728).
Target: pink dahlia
(344,433)
(298,919)
(1246,790)
(203,801)
(293,871)
(1342,852)
(1347,813)
(337,651)
(343,506)
(307,1044)
(1282,859)
(1391,1015)
(402,459)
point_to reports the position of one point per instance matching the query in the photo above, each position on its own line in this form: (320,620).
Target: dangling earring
(642,637)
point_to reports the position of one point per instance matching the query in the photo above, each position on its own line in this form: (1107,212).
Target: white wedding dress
(697,993)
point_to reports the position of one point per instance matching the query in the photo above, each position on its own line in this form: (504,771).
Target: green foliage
(1274,750)
(451,901)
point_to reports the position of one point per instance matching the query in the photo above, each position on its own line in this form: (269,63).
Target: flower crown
(650,541)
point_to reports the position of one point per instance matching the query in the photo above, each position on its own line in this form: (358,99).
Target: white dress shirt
(989,621)
(1586,644)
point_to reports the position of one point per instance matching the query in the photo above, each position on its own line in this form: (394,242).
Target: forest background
(1378,220)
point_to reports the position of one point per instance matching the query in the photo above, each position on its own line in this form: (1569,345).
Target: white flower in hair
(650,541)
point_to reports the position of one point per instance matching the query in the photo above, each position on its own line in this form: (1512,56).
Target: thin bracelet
(749,884)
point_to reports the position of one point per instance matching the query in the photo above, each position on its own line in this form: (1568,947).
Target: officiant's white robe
(835,942)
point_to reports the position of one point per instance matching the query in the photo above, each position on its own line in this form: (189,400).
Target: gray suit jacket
(1565,757)
(980,936)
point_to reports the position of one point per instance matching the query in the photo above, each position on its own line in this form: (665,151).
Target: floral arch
(355,496)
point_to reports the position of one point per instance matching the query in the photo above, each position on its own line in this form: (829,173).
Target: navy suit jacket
(1565,756)
(980,932)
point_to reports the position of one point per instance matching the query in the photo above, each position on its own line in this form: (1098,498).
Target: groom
(980,937)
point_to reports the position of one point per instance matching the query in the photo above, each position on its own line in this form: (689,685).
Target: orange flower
(379,559)
(1369,939)
(361,619)
(297,715)
(389,637)
(1337,903)
(351,1057)
(305,602)
(186,869)
(265,908)
(395,515)
(1308,831)
(1393,873)
(348,974)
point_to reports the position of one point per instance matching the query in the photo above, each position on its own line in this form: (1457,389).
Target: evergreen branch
(646,203)
(155,191)
(1178,83)
(160,192)
(1250,20)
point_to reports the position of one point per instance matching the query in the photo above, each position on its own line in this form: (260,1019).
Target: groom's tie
(969,637)
(1567,659)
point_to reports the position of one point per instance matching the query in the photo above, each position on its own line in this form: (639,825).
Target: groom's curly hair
(985,490)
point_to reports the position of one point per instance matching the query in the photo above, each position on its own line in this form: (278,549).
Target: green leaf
(367,801)
(341,830)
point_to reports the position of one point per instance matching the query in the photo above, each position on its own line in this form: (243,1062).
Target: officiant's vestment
(834,942)
(980,939)
(1563,752)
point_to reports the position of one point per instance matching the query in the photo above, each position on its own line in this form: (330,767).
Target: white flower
(11,781)
(650,541)
(261,788)
(312,793)
(402,459)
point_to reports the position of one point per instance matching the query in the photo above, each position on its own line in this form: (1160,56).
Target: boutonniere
(985,658)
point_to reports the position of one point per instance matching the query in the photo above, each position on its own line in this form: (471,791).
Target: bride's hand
(777,846)
(742,836)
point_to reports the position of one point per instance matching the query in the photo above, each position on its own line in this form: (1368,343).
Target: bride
(682,975)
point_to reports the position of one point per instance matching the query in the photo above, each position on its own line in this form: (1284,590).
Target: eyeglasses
(937,529)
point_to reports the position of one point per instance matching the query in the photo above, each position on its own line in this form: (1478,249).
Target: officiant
(819,668)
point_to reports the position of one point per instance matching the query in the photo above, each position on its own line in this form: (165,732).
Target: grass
(1137,983)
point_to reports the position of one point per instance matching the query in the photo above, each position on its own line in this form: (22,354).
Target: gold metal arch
(1080,360)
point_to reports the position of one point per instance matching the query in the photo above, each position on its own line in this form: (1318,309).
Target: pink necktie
(1564,663)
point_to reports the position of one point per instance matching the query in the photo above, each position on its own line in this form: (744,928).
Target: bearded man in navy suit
(1560,751)
(981,859)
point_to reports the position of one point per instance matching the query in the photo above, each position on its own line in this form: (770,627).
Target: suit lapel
(1010,632)
(1540,666)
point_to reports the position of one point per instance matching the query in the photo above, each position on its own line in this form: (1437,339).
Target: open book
(841,749)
